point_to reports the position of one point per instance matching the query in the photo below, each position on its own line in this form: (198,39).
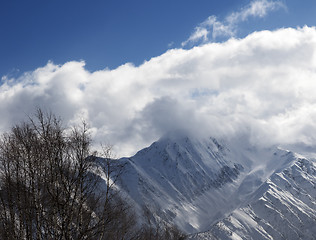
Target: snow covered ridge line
(285,208)
(201,185)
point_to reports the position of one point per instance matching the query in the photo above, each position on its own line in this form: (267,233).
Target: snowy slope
(284,207)
(194,183)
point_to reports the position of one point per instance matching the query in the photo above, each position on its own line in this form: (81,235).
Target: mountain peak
(181,175)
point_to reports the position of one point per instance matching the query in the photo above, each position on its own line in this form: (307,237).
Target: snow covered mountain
(223,188)
(176,177)
(284,207)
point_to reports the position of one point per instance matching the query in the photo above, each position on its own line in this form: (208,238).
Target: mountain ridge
(195,183)
(284,207)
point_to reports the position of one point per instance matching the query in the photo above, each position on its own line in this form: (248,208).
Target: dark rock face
(227,174)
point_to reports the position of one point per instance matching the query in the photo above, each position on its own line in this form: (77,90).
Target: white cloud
(263,85)
(214,28)
(258,8)
(200,33)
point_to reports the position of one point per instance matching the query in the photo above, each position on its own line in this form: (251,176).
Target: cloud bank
(262,85)
(214,28)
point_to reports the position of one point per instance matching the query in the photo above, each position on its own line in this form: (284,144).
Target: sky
(136,70)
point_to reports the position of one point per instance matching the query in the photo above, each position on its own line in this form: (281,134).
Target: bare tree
(49,188)
(158,230)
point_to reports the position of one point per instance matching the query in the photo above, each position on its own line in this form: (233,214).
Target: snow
(223,188)
(283,207)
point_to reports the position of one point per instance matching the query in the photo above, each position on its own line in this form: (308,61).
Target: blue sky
(136,70)
(108,33)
